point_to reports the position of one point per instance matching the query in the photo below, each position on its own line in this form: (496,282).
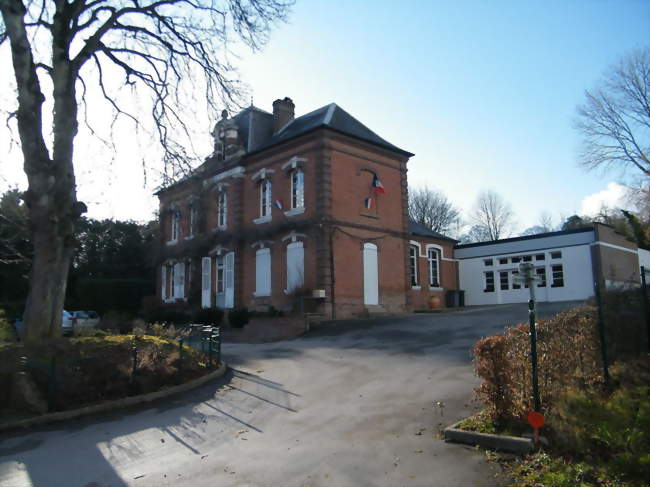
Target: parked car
(83,320)
(71,321)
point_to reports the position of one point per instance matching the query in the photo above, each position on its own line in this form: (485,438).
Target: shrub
(568,355)
(238,317)
(208,316)
(7,333)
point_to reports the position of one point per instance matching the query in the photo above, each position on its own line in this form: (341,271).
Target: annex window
(515,284)
(514,260)
(540,257)
(413,265)
(558,275)
(528,258)
(434,267)
(222,210)
(263,272)
(488,262)
(541,273)
(503,280)
(556,255)
(297,189)
(265,198)
(489,282)
(503,261)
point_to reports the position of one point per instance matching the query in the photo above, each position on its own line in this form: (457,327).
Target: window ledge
(262,219)
(220,229)
(295,211)
(258,295)
(435,288)
(189,237)
(369,215)
(416,288)
(171,242)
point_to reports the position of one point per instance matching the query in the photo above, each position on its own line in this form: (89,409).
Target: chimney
(282,113)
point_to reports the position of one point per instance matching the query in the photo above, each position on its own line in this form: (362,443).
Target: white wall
(644,259)
(575,260)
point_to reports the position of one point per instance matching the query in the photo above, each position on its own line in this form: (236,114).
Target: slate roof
(332,117)
(422,231)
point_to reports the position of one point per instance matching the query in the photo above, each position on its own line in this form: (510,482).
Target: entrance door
(370,274)
(230,280)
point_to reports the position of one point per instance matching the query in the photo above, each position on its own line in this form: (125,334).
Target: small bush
(208,316)
(7,333)
(238,317)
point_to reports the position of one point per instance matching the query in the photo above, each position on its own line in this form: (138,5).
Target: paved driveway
(355,404)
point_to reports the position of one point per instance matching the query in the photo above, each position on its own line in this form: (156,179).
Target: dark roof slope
(526,237)
(422,231)
(335,118)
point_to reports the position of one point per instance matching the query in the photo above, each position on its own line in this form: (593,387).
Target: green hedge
(102,295)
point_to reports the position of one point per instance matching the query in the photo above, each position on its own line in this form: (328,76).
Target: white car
(83,320)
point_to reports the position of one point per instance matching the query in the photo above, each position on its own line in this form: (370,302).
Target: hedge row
(568,355)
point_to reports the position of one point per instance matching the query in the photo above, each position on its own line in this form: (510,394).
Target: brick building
(314,206)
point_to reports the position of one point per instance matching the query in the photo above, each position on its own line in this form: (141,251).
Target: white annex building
(567,264)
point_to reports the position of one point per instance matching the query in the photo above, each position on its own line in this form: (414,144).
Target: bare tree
(493,214)
(614,121)
(432,209)
(160,49)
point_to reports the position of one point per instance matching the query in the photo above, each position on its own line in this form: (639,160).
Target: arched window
(413,264)
(433,256)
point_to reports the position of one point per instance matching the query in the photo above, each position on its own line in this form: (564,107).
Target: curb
(510,444)
(113,405)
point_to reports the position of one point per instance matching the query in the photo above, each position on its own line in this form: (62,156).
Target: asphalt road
(352,404)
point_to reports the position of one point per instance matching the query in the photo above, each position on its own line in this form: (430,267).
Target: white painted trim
(233,172)
(262,244)
(171,242)
(416,288)
(293,163)
(262,174)
(433,246)
(293,236)
(419,246)
(436,288)
(262,219)
(617,247)
(295,211)
(218,250)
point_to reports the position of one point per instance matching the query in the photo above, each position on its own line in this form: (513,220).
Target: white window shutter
(163,282)
(181,280)
(206,281)
(295,266)
(263,272)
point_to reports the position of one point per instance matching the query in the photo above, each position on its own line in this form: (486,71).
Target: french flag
(278,204)
(376,183)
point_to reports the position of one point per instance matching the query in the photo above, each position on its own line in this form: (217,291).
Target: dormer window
(222,210)
(265,198)
(297,189)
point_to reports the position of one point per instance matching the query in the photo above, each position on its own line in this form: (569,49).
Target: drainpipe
(332,279)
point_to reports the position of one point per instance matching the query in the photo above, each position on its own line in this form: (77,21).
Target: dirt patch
(264,330)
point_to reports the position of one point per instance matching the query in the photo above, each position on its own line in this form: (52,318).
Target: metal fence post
(646,309)
(180,353)
(601,333)
(533,350)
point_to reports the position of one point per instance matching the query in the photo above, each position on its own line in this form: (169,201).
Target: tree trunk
(51,194)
